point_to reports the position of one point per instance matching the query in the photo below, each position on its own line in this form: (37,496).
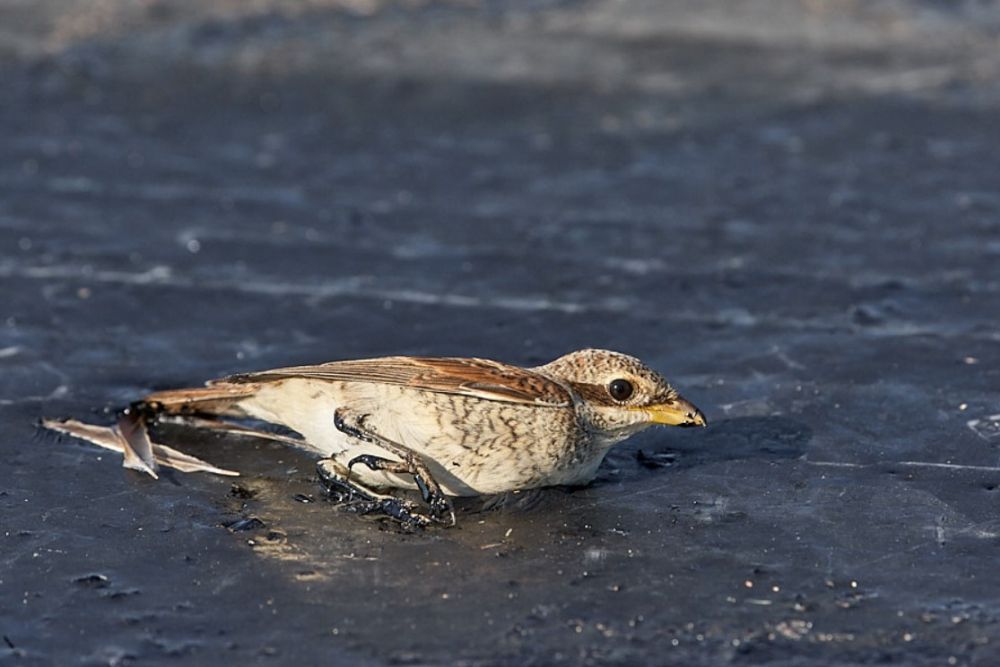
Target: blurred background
(791,207)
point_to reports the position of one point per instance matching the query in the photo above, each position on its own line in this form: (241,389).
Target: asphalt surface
(789,208)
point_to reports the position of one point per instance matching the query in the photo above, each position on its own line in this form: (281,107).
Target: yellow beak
(677,412)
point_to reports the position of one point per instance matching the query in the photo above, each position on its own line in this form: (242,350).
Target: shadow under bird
(444,426)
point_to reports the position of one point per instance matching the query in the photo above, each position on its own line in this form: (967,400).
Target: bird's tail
(199,407)
(110,437)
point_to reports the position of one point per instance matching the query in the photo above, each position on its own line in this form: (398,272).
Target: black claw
(404,512)
(425,491)
(373,462)
(398,510)
(442,511)
(341,488)
(440,505)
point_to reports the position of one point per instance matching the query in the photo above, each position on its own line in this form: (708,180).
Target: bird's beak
(676,412)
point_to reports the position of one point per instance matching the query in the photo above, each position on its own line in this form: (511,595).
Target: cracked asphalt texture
(790,208)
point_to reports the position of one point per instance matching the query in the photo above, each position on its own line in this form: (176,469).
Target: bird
(445,426)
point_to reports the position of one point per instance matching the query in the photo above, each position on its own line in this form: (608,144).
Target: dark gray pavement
(791,208)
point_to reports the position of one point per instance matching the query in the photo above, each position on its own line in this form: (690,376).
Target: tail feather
(136,445)
(110,437)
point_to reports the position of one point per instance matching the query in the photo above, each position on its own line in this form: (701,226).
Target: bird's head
(619,395)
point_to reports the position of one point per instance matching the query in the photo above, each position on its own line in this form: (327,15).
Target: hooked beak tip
(677,412)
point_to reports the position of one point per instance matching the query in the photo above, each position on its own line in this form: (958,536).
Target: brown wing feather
(450,375)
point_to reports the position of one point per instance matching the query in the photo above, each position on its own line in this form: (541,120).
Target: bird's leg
(338,476)
(364,500)
(431,493)
(411,464)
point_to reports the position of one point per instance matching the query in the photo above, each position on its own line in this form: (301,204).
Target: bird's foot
(356,426)
(359,499)
(441,509)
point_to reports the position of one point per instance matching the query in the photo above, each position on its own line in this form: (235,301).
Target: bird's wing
(481,378)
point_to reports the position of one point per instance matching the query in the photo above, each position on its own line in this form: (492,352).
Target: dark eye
(620,390)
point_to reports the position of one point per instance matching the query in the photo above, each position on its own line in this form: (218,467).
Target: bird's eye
(620,390)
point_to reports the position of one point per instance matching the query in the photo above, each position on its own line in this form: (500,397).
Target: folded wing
(481,378)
